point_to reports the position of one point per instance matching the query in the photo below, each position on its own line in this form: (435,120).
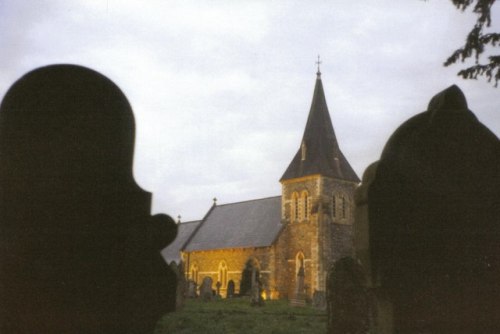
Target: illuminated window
(334,206)
(295,206)
(194,273)
(305,205)
(343,207)
(223,274)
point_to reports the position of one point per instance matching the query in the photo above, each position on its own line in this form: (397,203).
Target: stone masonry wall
(208,263)
(322,238)
(298,236)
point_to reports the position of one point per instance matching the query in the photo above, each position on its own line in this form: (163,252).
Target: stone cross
(318,62)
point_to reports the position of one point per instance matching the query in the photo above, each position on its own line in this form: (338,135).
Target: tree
(476,43)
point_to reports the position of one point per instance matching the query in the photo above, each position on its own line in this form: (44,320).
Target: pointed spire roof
(319,152)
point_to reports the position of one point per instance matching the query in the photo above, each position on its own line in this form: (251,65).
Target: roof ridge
(190,221)
(197,228)
(249,200)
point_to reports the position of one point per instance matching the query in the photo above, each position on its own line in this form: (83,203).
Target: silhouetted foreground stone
(435,220)
(348,303)
(427,229)
(80,250)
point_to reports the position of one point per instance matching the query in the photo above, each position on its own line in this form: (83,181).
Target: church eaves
(319,152)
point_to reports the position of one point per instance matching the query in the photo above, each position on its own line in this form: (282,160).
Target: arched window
(305,205)
(194,273)
(295,206)
(334,206)
(343,203)
(222,277)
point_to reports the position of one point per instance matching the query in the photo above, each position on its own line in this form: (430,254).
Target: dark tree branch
(476,42)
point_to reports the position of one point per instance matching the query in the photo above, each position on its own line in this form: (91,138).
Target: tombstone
(256,295)
(434,232)
(300,295)
(361,228)
(218,286)
(348,301)
(381,311)
(206,292)
(319,300)
(299,289)
(230,289)
(191,290)
(80,250)
(178,269)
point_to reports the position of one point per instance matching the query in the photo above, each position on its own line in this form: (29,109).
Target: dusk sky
(221,90)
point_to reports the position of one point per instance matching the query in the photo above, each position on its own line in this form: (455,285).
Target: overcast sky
(221,90)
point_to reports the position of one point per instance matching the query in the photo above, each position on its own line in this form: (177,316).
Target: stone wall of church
(323,238)
(336,224)
(202,264)
(310,184)
(298,238)
(341,222)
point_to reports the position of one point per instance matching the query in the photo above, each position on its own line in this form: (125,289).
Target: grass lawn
(238,317)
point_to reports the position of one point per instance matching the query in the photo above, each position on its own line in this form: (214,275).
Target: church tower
(317,205)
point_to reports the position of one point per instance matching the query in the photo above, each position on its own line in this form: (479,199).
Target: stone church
(305,229)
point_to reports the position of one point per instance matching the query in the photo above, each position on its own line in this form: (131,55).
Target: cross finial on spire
(318,63)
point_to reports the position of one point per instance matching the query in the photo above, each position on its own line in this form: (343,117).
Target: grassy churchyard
(227,316)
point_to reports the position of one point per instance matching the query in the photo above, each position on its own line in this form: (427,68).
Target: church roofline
(248,200)
(245,224)
(188,240)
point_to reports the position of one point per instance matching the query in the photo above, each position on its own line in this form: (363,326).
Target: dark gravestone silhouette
(434,220)
(319,300)
(80,250)
(300,292)
(348,301)
(230,289)
(181,290)
(206,292)
(191,289)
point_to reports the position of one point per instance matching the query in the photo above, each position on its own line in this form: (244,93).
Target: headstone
(348,301)
(256,295)
(319,300)
(206,289)
(230,289)
(79,248)
(300,296)
(181,284)
(434,231)
(191,290)
(361,227)
(218,286)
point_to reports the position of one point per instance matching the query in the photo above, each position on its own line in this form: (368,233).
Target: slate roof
(254,223)
(323,155)
(184,231)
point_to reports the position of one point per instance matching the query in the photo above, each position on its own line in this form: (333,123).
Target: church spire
(319,152)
